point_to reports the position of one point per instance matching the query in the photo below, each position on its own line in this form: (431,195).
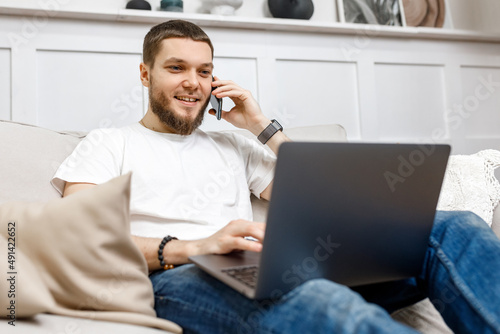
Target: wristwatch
(269,131)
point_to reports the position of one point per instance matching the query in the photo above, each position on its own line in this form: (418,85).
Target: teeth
(187,99)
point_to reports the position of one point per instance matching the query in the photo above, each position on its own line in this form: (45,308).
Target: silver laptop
(352,213)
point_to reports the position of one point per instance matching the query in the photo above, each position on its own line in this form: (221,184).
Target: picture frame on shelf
(381,12)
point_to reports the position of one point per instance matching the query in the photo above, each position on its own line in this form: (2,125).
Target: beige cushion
(75,257)
(496,221)
(320,133)
(30,157)
(424,317)
(58,324)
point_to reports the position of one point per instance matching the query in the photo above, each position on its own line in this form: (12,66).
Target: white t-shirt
(185,186)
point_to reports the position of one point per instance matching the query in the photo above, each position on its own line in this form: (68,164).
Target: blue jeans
(460,275)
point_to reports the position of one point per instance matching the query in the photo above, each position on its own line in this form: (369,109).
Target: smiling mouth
(186,99)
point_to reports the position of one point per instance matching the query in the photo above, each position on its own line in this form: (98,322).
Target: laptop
(353,213)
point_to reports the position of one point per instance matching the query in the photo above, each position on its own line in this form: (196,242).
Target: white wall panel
(317,92)
(242,71)
(481,102)
(5,84)
(410,101)
(85,90)
(80,73)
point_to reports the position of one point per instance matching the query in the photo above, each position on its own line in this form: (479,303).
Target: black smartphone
(216,104)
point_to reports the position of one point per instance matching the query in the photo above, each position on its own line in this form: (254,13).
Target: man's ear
(144,74)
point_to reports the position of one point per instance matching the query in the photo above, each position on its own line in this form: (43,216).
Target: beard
(161,107)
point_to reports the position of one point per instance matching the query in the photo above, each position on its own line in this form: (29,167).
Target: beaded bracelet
(165,240)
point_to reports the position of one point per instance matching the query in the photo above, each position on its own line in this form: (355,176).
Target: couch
(96,300)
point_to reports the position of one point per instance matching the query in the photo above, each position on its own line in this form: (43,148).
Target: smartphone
(216,104)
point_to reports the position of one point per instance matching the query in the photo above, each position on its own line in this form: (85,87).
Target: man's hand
(231,238)
(246,114)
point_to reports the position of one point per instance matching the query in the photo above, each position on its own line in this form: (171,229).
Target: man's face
(180,84)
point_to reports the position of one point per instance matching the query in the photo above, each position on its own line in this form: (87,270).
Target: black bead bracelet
(165,240)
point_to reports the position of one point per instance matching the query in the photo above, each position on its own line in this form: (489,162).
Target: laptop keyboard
(247,275)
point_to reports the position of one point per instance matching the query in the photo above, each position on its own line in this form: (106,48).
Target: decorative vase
(172,5)
(221,7)
(138,4)
(291,9)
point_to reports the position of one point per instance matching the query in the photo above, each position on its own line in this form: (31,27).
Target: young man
(196,186)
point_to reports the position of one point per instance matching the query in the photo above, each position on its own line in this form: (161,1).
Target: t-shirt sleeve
(96,159)
(259,164)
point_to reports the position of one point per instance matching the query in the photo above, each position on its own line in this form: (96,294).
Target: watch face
(276,125)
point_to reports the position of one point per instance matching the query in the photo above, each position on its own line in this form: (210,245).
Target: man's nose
(191,80)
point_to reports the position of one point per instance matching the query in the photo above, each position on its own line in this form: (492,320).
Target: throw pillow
(470,184)
(74,256)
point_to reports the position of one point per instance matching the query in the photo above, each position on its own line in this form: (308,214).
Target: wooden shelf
(267,24)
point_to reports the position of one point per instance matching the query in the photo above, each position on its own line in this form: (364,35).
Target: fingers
(249,245)
(246,112)
(244,228)
(213,113)
(227,88)
(231,238)
(248,229)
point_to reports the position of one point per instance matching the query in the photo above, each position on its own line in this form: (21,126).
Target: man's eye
(175,68)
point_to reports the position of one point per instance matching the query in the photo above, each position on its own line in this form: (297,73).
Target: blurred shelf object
(271,24)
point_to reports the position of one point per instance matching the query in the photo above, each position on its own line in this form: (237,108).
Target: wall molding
(382,87)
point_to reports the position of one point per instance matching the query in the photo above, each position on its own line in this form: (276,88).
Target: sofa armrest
(320,133)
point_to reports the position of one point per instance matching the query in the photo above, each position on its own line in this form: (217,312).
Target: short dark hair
(171,29)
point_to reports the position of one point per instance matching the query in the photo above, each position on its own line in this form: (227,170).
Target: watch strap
(269,131)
